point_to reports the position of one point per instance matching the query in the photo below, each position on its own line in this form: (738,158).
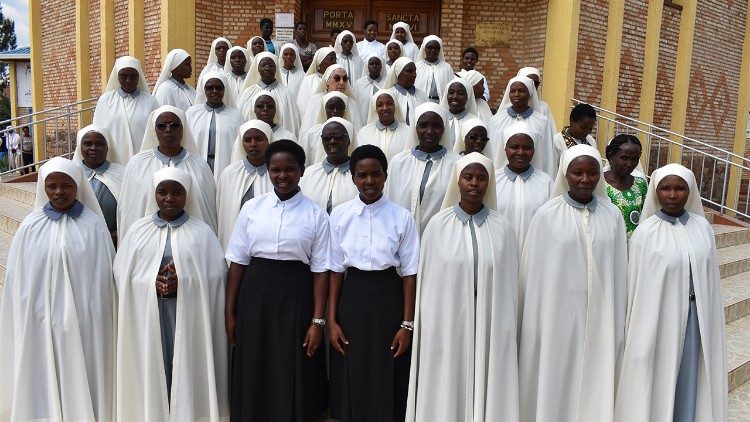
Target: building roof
(21,53)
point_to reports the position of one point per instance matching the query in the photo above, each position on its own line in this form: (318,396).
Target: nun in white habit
(333,104)
(402,33)
(292,72)
(433,72)
(168,142)
(419,176)
(533,74)
(334,79)
(170,272)
(521,187)
(264,109)
(464,355)
(105,177)
(521,104)
(58,312)
(386,128)
(347,54)
(371,82)
(235,69)
(459,100)
(323,58)
(476,80)
(217,58)
(329,183)
(214,122)
(401,78)
(264,75)
(573,298)
(171,88)
(393,51)
(674,366)
(472,137)
(124,108)
(244,179)
(256,45)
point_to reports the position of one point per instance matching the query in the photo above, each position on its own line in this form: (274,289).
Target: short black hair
(335,31)
(367,151)
(288,146)
(368,23)
(470,50)
(618,141)
(582,110)
(300,23)
(265,20)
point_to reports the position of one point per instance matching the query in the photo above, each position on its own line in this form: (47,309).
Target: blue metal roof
(20,53)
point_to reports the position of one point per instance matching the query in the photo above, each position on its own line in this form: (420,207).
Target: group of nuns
(278,245)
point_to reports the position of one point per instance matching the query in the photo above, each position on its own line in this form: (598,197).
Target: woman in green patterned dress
(625,189)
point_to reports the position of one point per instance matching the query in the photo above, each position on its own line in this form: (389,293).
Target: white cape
(545,157)
(315,112)
(287,114)
(518,200)
(58,321)
(126,128)
(200,364)
(136,188)
(443,74)
(319,186)
(661,258)
(408,103)
(561,147)
(292,80)
(180,96)
(364,88)
(573,292)
(227,124)
(306,88)
(390,141)
(464,355)
(404,177)
(234,182)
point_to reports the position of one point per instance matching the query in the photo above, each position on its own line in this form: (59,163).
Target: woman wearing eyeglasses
(335,78)
(168,142)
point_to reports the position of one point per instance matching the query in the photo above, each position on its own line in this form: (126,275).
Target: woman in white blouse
(276,296)
(371,309)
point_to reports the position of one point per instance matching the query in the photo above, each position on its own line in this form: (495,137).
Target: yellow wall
(740,126)
(612,50)
(37,90)
(107,31)
(83,79)
(560,56)
(650,70)
(682,75)
(13,93)
(135,29)
(178,28)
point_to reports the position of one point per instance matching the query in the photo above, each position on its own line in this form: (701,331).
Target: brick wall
(95,78)
(631,57)
(670,35)
(592,39)
(152,39)
(121,28)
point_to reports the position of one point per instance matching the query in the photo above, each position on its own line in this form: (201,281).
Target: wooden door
(323,15)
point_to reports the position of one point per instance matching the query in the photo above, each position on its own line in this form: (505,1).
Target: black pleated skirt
(272,377)
(367,384)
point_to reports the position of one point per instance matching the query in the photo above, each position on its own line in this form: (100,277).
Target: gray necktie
(433,89)
(212,141)
(425,176)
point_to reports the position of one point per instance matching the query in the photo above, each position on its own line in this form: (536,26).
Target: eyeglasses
(476,138)
(339,78)
(266,66)
(217,88)
(265,106)
(172,125)
(335,136)
(126,78)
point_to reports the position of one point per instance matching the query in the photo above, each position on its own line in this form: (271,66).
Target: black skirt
(367,384)
(272,377)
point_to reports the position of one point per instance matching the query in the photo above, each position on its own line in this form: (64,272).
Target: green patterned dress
(629,201)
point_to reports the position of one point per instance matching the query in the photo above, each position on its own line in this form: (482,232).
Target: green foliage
(4,108)
(7,42)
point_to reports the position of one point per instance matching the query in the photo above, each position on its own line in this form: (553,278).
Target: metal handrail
(712,168)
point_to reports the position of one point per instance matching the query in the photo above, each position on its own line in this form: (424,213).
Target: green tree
(7,42)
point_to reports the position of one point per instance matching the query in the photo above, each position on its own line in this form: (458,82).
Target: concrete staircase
(733,243)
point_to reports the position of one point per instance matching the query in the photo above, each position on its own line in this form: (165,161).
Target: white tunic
(353,64)
(454,128)
(573,291)
(663,257)
(125,117)
(408,101)
(464,355)
(519,196)
(292,79)
(315,112)
(405,180)
(364,89)
(306,88)
(367,48)
(227,122)
(200,363)
(442,72)
(234,183)
(373,237)
(173,93)
(58,321)
(545,158)
(136,186)
(560,146)
(391,139)
(235,85)
(287,114)
(328,185)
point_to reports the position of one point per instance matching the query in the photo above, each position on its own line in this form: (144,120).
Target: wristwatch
(321,322)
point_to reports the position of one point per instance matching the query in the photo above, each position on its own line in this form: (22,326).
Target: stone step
(738,352)
(24,192)
(734,260)
(5,240)
(12,213)
(735,291)
(739,404)
(730,235)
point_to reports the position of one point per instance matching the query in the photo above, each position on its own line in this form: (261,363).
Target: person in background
(14,148)
(469,59)
(171,88)
(402,32)
(323,58)
(266,29)
(401,77)
(371,82)
(393,51)
(472,137)
(533,74)
(370,45)
(333,35)
(291,68)
(27,150)
(433,72)
(256,45)
(582,121)
(347,55)
(306,48)
(216,58)
(625,188)
(264,109)
(4,149)
(235,69)
(385,127)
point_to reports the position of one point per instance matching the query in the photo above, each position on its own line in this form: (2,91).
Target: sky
(18,10)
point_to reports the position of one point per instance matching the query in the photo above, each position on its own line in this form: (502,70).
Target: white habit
(328,185)
(167,90)
(393,138)
(433,77)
